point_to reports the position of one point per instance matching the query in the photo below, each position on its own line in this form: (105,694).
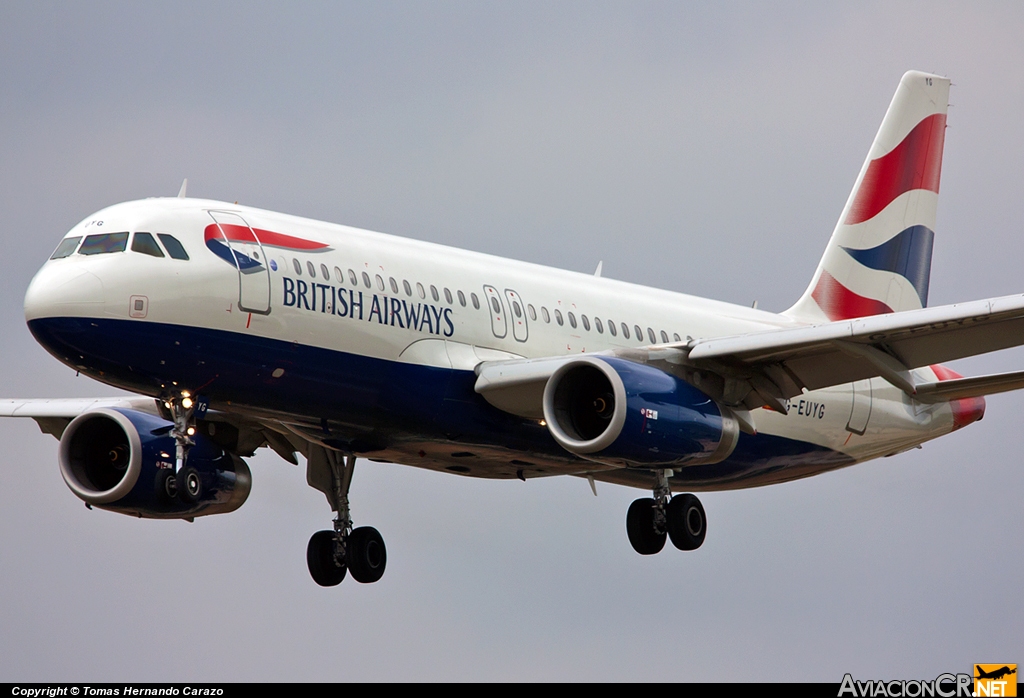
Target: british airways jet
(240,328)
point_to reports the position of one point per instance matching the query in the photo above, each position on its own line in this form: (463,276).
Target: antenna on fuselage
(597,272)
(184,186)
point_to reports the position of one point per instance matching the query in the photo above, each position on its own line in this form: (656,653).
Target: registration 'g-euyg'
(240,328)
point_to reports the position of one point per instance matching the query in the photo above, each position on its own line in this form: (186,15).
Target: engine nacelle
(117,459)
(623,413)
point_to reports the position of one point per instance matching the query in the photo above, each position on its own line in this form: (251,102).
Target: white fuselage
(392,310)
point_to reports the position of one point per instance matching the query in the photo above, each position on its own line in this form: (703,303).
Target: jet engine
(620,412)
(123,460)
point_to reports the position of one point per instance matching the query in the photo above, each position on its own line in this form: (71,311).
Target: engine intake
(114,459)
(624,413)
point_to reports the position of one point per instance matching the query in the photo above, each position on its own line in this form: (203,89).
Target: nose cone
(63,289)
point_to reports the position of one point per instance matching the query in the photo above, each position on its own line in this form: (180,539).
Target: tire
(166,486)
(687,524)
(367,556)
(190,485)
(640,528)
(320,560)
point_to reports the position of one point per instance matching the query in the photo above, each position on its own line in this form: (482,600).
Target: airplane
(237,328)
(994,674)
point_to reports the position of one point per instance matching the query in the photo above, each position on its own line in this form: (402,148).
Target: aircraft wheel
(166,485)
(687,524)
(320,559)
(190,484)
(366,554)
(640,528)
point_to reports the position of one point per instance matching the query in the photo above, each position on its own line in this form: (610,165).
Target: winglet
(184,186)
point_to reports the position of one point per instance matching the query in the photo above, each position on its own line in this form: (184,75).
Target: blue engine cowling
(624,413)
(113,458)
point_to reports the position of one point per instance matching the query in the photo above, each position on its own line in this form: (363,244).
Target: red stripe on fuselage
(241,233)
(915,163)
(965,410)
(840,303)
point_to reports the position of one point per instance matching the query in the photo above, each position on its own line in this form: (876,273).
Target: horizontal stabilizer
(978,386)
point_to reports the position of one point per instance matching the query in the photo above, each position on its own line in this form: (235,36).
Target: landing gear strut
(185,481)
(650,521)
(331,554)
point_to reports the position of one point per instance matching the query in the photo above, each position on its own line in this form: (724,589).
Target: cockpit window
(144,243)
(174,247)
(104,243)
(66,248)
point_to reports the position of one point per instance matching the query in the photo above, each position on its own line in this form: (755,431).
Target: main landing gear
(650,520)
(332,554)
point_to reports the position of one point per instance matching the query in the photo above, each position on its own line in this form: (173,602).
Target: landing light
(186,402)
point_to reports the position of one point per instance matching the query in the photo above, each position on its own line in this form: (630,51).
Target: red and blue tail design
(879,257)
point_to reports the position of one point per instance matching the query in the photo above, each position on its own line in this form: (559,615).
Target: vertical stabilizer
(880,255)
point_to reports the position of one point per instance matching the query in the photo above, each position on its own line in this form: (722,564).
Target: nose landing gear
(184,481)
(650,521)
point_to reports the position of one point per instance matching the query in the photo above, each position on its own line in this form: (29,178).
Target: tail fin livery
(880,254)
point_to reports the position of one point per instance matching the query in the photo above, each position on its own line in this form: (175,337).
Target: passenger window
(516,309)
(380,283)
(311,269)
(625,331)
(476,301)
(419,290)
(572,321)
(448,296)
(172,246)
(339,275)
(297,267)
(352,277)
(650,336)
(533,313)
(639,333)
(433,293)
(544,314)
(611,327)
(598,325)
(146,244)
(366,280)
(408,288)
(104,243)
(675,336)
(558,317)
(66,248)
(462,299)
(664,336)
(496,305)
(326,274)
(394,284)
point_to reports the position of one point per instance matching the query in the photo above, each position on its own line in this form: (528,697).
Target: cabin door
(860,410)
(250,261)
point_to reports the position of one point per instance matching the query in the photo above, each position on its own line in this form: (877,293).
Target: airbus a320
(239,328)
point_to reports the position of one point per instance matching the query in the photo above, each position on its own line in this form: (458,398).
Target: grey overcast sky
(704,148)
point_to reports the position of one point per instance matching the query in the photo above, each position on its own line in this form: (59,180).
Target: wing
(764,369)
(54,414)
(250,433)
